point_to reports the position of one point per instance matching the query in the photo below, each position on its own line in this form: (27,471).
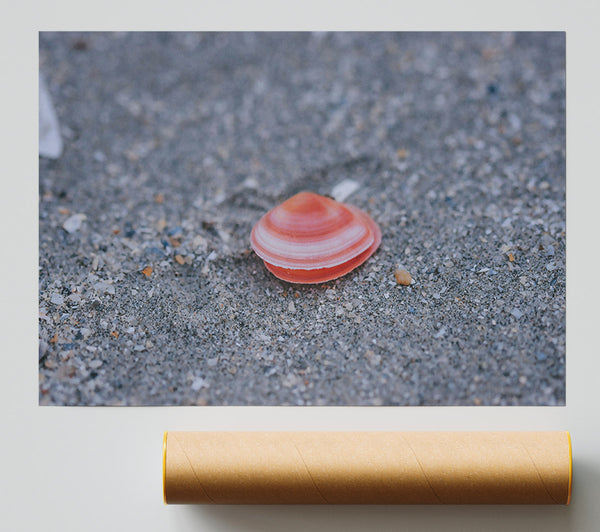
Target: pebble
(441,333)
(291,307)
(43,348)
(263,337)
(199,383)
(516,313)
(73,223)
(57,299)
(547,240)
(372,358)
(104,288)
(403,277)
(175,231)
(95,364)
(290,380)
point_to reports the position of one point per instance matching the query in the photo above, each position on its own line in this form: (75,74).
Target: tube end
(570,467)
(164,467)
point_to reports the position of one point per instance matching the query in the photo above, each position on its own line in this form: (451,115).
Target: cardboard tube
(367,467)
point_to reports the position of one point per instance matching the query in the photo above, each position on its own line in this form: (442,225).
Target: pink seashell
(313,239)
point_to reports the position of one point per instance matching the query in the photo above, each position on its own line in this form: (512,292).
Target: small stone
(57,299)
(263,337)
(104,288)
(372,358)
(175,231)
(551,266)
(159,198)
(74,298)
(147,271)
(290,380)
(516,313)
(403,277)
(550,251)
(523,379)
(199,383)
(43,348)
(511,257)
(139,348)
(540,357)
(180,260)
(199,244)
(95,364)
(547,240)
(291,307)
(73,223)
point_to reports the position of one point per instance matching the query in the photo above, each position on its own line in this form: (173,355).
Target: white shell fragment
(50,142)
(344,189)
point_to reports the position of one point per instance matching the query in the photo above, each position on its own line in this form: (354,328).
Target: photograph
(302,219)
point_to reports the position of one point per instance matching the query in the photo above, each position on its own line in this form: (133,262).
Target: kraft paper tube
(367,467)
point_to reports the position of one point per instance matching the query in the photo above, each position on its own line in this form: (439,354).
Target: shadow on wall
(381,518)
